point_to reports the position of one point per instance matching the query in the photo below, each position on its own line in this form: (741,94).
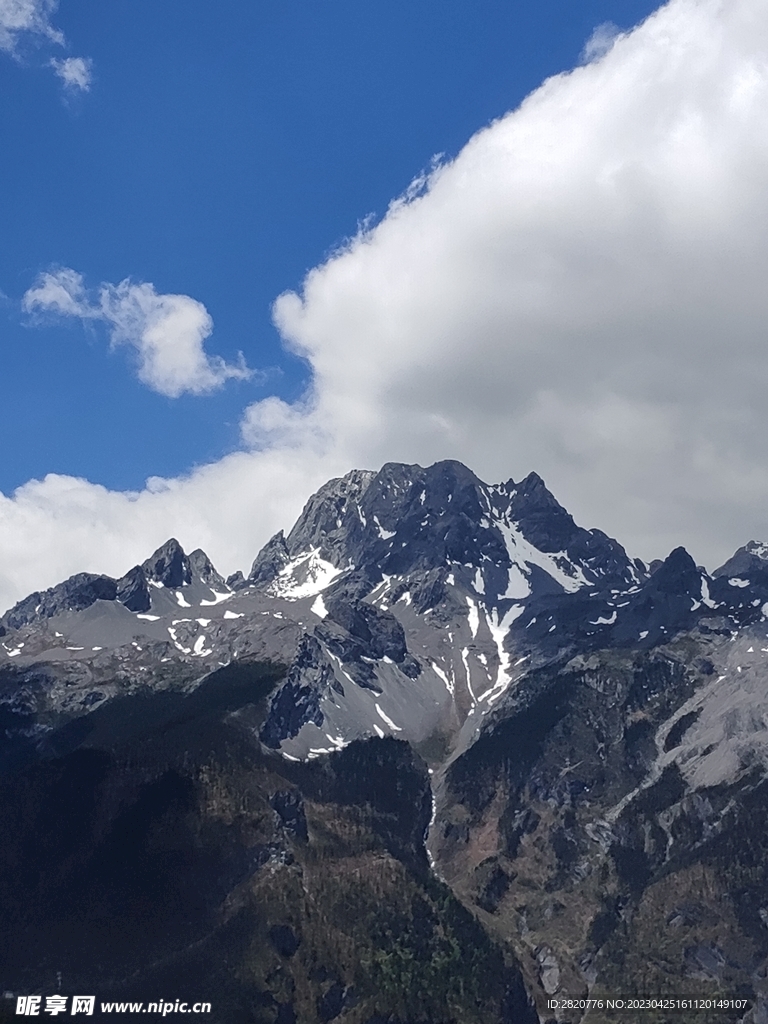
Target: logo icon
(83,1004)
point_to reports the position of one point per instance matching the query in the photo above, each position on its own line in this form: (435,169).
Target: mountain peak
(532,482)
(74,594)
(547,524)
(201,566)
(270,560)
(323,515)
(168,565)
(678,574)
(752,557)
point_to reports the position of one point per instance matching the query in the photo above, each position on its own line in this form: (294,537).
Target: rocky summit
(442,756)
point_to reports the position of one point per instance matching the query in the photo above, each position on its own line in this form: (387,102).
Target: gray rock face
(750,559)
(201,568)
(133,590)
(169,565)
(270,560)
(380,633)
(297,703)
(326,518)
(75,594)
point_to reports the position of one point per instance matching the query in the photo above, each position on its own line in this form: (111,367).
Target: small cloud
(274,424)
(31,20)
(600,42)
(166,331)
(61,292)
(18,17)
(75,72)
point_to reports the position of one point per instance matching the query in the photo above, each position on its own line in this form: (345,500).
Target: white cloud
(18,17)
(274,424)
(166,331)
(54,527)
(62,292)
(31,20)
(581,292)
(75,72)
(600,42)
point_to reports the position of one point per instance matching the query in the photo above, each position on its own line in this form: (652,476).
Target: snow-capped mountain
(391,599)
(405,602)
(563,696)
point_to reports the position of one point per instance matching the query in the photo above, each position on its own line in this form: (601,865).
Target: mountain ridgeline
(442,756)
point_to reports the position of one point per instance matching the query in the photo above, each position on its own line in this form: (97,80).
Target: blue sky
(231,266)
(220,152)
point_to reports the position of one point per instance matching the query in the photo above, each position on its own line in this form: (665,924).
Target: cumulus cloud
(581,292)
(75,72)
(167,332)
